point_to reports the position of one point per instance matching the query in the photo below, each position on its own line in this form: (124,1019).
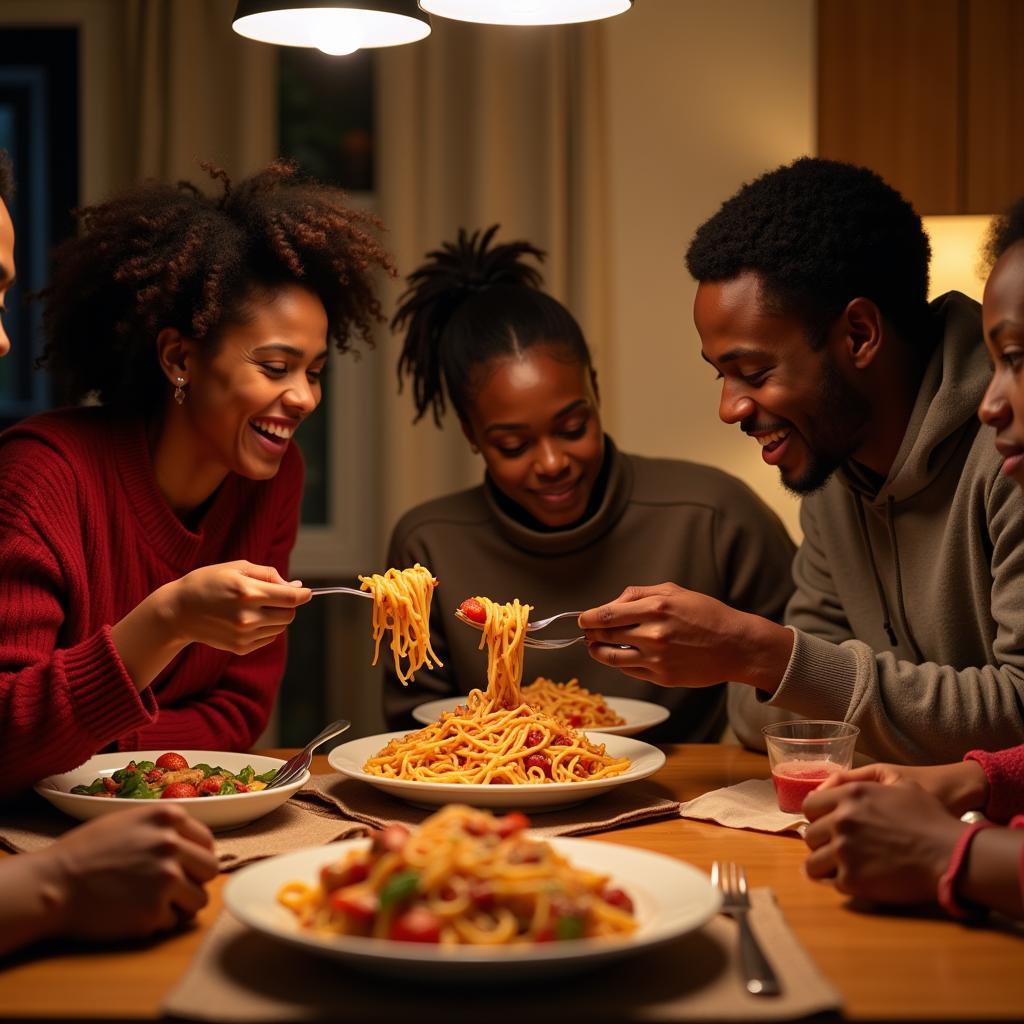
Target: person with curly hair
(893,834)
(121,876)
(908,614)
(562,515)
(145,539)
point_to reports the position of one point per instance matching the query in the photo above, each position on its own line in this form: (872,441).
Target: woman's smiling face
(248,394)
(534,416)
(1002,408)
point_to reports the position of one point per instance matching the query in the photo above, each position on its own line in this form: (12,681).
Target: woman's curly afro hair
(819,233)
(158,256)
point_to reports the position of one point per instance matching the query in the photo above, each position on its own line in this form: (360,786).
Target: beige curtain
(192,89)
(480,125)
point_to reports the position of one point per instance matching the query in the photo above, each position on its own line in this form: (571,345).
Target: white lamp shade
(526,12)
(340,26)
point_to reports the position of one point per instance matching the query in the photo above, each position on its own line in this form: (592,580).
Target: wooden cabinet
(930,94)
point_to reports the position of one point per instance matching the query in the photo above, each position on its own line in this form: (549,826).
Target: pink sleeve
(1005,773)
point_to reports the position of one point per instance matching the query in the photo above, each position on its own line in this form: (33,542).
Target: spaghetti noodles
(465,877)
(569,702)
(401,604)
(504,630)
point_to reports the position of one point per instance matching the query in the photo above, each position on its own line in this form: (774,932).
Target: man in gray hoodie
(908,614)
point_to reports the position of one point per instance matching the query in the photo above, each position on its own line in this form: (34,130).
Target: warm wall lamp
(526,12)
(334,26)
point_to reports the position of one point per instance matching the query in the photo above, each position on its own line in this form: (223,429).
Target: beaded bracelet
(957,862)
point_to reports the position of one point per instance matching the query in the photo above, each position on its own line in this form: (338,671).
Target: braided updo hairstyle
(158,256)
(469,303)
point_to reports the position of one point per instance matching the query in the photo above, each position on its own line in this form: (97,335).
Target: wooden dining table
(888,965)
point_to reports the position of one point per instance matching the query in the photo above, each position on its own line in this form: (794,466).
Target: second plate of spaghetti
(637,715)
(644,760)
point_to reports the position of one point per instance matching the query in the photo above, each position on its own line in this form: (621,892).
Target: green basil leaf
(398,888)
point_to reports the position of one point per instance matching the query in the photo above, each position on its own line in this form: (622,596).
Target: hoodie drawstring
(887,621)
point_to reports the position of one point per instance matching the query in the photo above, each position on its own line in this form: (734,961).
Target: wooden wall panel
(994,107)
(888,81)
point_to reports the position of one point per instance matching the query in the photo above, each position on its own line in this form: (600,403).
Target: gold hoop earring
(179,391)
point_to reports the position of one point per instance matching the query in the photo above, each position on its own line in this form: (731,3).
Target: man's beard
(836,426)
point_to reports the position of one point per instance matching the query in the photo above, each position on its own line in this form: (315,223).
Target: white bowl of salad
(224,790)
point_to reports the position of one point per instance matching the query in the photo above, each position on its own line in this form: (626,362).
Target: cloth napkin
(241,977)
(360,802)
(749,804)
(35,824)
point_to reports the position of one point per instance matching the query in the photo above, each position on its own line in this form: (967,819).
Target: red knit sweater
(1004,770)
(85,535)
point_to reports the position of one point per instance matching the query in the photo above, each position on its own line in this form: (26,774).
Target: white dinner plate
(670,899)
(350,757)
(639,714)
(219,812)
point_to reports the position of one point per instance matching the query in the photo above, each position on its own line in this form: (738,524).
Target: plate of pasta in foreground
(622,760)
(469,895)
(571,703)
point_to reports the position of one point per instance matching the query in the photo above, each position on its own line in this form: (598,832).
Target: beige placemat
(359,801)
(35,824)
(749,804)
(241,977)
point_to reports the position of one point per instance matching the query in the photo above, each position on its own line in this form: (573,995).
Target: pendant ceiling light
(526,12)
(334,26)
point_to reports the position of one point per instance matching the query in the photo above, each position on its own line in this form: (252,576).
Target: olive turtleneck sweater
(657,521)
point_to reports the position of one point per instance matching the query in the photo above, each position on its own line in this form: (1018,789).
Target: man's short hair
(819,233)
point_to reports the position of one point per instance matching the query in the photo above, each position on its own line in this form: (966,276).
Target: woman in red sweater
(144,541)
(892,833)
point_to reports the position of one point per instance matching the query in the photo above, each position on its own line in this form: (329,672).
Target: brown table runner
(241,977)
(331,807)
(359,801)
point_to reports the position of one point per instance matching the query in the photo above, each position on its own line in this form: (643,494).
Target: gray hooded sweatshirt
(908,614)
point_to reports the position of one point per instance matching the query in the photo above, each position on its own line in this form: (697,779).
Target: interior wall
(702,97)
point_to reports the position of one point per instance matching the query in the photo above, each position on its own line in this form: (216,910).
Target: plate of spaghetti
(471,895)
(573,704)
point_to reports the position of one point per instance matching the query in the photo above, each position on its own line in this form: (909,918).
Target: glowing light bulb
(336,33)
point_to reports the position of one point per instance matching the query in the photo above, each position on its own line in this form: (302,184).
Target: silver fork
(529,641)
(732,880)
(317,591)
(295,766)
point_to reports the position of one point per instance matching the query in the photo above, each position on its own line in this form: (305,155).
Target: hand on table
(888,843)
(959,787)
(678,637)
(122,875)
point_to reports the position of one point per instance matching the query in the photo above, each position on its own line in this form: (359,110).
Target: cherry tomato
(561,741)
(474,610)
(541,761)
(617,898)
(416,925)
(179,791)
(482,895)
(575,721)
(337,876)
(545,935)
(359,905)
(110,785)
(390,839)
(511,823)
(534,738)
(172,762)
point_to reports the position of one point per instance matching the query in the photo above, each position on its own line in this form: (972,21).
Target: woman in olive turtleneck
(563,519)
